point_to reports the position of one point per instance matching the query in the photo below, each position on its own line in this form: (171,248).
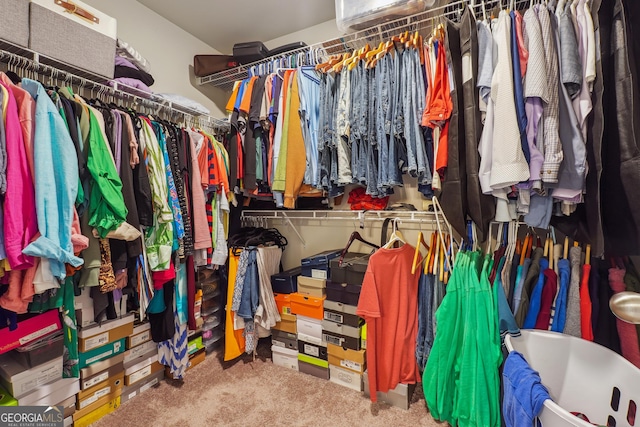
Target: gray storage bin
(399,397)
(14,21)
(73,39)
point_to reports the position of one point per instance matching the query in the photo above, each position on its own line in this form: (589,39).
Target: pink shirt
(201,235)
(26,113)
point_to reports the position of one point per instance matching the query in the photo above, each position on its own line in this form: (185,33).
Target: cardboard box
(315,370)
(313,360)
(41,351)
(140,351)
(112,387)
(318,265)
(92,394)
(286,282)
(309,330)
(140,335)
(399,397)
(347,341)
(195,344)
(344,293)
(100,371)
(363,336)
(84,308)
(143,373)
(338,328)
(101,353)
(287,323)
(285,357)
(19,380)
(140,363)
(196,358)
(313,350)
(68,406)
(352,270)
(95,336)
(283,302)
(130,392)
(51,393)
(284,339)
(88,418)
(6,399)
(311,286)
(347,358)
(345,377)
(30,330)
(342,318)
(68,421)
(306,305)
(98,403)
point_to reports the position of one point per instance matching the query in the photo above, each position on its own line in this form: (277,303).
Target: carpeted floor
(257,393)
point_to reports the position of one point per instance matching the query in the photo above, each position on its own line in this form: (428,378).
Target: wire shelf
(310,55)
(35,64)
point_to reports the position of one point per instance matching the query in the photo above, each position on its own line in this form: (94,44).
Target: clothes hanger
(396,236)
(415,255)
(525,245)
(587,256)
(354,236)
(566,247)
(428,265)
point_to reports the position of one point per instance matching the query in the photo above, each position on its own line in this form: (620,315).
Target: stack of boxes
(284,339)
(341,327)
(102,370)
(31,365)
(141,367)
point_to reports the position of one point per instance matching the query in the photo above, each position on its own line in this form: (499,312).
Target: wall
(316,34)
(167,47)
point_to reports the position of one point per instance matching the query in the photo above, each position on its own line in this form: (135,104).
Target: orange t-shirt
(389,304)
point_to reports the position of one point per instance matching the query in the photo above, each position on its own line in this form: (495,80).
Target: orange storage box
(283,301)
(307,305)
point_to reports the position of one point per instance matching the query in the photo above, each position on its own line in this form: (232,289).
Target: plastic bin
(583,377)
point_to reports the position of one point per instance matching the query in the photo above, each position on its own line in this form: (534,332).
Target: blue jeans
(251,289)
(425,319)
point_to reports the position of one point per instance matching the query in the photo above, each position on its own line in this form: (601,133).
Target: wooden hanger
(434,254)
(429,258)
(587,257)
(566,248)
(525,246)
(354,236)
(546,248)
(415,255)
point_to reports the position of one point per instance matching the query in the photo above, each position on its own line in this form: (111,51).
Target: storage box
(352,270)
(347,358)
(318,265)
(140,335)
(195,344)
(7,400)
(69,407)
(313,360)
(95,336)
(19,380)
(113,386)
(14,21)
(141,363)
(52,393)
(100,371)
(313,350)
(311,286)
(285,357)
(315,370)
(286,282)
(55,32)
(68,421)
(284,339)
(336,338)
(142,373)
(104,407)
(306,305)
(42,351)
(287,323)
(354,15)
(139,351)
(309,330)
(363,335)
(399,397)
(283,301)
(129,393)
(345,377)
(30,330)
(196,358)
(84,308)
(101,353)
(344,293)
(341,318)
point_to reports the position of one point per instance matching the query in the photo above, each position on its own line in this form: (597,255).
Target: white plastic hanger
(396,236)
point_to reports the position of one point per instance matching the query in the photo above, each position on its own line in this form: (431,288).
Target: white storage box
(14,21)
(353,15)
(284,357)
(345,377)
(309,330)
(74,33)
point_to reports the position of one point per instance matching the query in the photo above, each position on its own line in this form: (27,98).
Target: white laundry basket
(581,376)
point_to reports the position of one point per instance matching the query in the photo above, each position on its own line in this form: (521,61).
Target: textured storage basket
(583,377)
(14,21)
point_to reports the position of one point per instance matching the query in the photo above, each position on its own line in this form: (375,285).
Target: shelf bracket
(295,230)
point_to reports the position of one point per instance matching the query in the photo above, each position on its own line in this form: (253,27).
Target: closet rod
(348,43)
(33,63)
(342,215)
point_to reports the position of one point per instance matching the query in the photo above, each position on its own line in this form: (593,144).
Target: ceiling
(221,23)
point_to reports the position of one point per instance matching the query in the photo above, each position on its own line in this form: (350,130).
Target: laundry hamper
(583,377)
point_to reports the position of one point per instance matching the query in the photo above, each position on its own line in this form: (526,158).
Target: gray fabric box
(72,39)
(14,21)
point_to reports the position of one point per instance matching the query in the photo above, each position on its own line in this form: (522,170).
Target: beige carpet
(257,393)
